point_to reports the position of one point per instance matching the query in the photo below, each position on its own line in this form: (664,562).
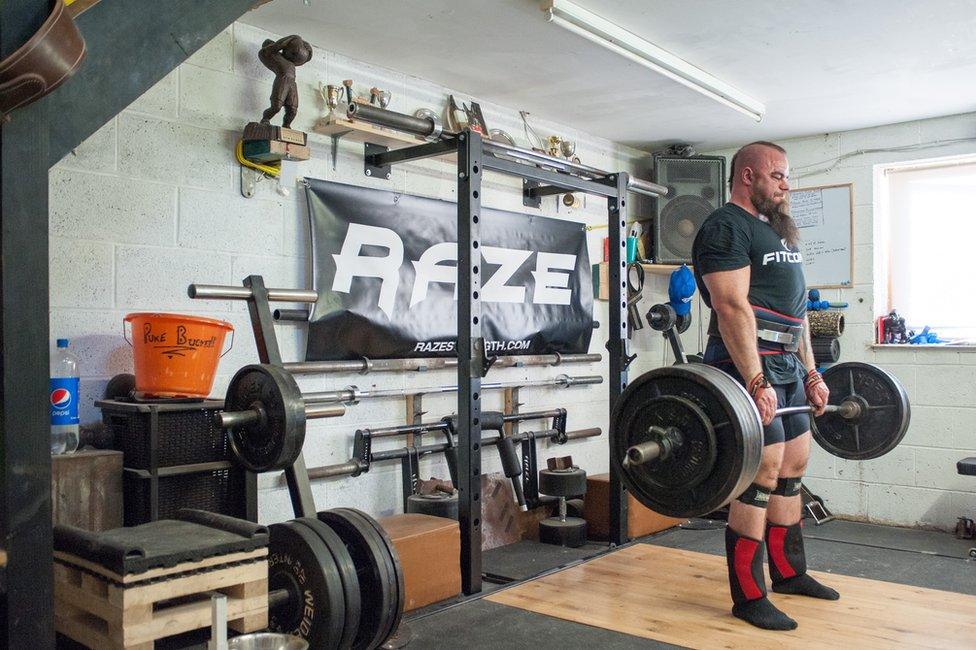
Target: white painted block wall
(916,484)
(151,203)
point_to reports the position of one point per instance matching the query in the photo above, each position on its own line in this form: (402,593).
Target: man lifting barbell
(750,273)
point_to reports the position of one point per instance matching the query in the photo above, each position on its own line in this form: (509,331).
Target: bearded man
(750,272)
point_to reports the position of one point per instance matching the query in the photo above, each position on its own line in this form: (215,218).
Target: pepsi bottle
(64,400)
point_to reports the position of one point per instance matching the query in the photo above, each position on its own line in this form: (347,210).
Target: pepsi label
(64,400)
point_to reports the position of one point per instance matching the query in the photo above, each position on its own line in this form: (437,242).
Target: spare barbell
(687,439)
(265,412)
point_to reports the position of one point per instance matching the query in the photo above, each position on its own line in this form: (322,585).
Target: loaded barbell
(265,412)
(687,439)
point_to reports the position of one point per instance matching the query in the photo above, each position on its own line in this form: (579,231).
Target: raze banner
(386,270)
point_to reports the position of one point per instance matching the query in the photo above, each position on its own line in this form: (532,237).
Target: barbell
(265,412)
(687,439)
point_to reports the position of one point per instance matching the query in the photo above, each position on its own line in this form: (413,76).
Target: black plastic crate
(214,490)
(185,432)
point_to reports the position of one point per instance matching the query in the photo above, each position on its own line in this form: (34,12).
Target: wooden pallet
(102,609)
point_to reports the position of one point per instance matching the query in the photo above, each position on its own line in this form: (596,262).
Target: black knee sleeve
(788,486)
(755,495)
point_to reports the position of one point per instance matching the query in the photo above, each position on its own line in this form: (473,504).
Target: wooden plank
(158,573)
(682,597)
(194,583)
(189,616)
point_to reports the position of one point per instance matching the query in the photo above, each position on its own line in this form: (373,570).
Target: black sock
(748,584)
(788,563)
(764,614)
(805,585)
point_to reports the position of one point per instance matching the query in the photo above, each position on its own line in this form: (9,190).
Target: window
(925,245)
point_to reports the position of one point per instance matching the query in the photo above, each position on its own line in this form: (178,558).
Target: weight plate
(275,441)
(562,482)
(436,505)
(571,533)
(885,412)
(720,401)
(300,563)
(692,458)
(120,386)
(347,573)
(394,562)
(377,584)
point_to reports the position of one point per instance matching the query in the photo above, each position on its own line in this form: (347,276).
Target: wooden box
(86,489)
(430,555)
(640,519)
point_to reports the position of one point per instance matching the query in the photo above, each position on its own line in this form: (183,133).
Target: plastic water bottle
(64,400)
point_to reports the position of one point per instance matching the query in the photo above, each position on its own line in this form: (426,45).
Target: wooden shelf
(340,127)
(663,269)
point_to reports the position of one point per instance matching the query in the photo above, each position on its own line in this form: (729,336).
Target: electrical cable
(273,170)
(805,170)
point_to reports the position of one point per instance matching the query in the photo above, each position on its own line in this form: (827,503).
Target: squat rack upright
(542,175)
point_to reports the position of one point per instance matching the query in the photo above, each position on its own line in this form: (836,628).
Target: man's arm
(816,389)
(805,351)
(729,291)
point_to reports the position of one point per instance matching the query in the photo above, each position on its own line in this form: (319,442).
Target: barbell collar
(645,452)
(665,440)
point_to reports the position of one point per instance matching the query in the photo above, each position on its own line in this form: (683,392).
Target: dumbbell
(563,530)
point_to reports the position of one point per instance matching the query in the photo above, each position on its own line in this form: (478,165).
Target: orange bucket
(176,355)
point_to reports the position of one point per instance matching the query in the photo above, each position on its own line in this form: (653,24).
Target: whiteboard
(824,216)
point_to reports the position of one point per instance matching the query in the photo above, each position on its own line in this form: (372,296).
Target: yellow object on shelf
(273,169)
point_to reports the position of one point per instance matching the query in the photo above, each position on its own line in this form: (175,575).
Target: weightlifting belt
(785,331)
(42,63)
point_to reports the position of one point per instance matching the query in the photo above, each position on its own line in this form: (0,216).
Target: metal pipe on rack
(300,315)
(365,366)
(425,127)
(352,394)
(224,292)
(387,432)
(354,466)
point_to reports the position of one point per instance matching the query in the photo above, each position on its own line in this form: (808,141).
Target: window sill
(969,347)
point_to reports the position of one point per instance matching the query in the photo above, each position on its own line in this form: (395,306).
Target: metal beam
(131,45)
(556,179)
(471,357)
(408,154)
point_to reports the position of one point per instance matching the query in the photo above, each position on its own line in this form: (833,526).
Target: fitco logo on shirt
(784,256)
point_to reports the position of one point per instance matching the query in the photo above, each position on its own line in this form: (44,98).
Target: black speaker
(696,187)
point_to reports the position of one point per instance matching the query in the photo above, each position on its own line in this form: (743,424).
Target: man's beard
(779,218)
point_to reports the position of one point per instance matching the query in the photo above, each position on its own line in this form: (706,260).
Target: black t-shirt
(731,239)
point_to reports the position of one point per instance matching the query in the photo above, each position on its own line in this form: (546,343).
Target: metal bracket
(370,150)
(486,363)
(249,180)
(559,424)
(529,199)
(362,450)
(815,507)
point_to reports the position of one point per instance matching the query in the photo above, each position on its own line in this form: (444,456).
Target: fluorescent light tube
(598,30)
